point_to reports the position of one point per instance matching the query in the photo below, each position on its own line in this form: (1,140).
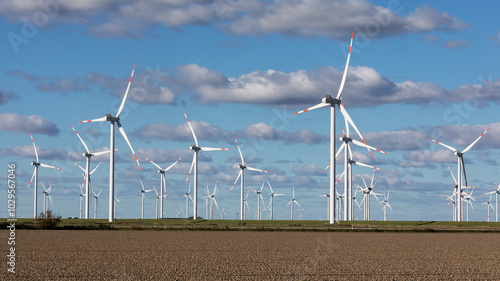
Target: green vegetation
(253,225)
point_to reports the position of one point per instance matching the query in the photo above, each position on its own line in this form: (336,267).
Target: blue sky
(418,70)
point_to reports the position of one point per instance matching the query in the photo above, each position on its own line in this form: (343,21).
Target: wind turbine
(87,174)
(386,204)
(271,203)
(327,205)
(46,193)
(163,182)
(157,197)
(118,201)
(461,167)
(489,205)
(242,175)
(496,192)
(367,191)
(143,193)
(177,213)
(211,197)
(468,201)
(81,200)
(246,205)
(331,102)
(259,198)
(187,195)
(113,120)
(35,175)
(223,214)
(96,202)
(293,201)
(196,149)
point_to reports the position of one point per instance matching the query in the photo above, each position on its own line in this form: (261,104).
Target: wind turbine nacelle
(241,166)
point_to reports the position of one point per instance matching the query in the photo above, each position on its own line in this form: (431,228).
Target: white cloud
(34,124)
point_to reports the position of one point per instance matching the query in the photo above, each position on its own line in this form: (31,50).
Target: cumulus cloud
(34,124)
(264,131)
(336,19)
(304,18)
(28,151)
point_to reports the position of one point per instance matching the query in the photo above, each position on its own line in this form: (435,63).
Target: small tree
(48,220)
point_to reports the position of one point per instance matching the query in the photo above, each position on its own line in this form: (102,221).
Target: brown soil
(225,255)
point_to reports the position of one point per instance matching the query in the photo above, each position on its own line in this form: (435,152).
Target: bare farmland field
(216,255)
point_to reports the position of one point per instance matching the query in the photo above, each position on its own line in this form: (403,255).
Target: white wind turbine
(46,198)
(300,213)
(293,201)
(86,172)
(340,203)
(367,191)
(271,202)
(35,175)
(113,120)
(259,198)
(222,213)
(211,197)
(187,195)
(143,193)
(157,198)
(163,182)
(468,201)
(81,200)
(242,175)
(386,204)
(496,192)
(331,102)
(177,213)
(114,206)
(96,202)
(327,205)
(196,149)
(489,205)
(461,168)
(246,206)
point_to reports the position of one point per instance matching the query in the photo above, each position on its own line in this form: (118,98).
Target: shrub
(48,220)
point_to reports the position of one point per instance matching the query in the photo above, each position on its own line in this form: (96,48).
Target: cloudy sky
(418,70)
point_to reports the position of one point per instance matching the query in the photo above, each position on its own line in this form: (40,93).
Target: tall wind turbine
(143,192)
(242,175)
(35,175)
(489,205)
(259,198)
(163,182)
(327,205)
(331,102)
(87,174)
(114,206)
(187,195)
(211,197)
(46,193)
(291,202)
(246,206)
(496,192)
(113,120)
(386,204)
(96,202)
(461,168)
(157,198)
(196,149)
(271,202)
(223,214)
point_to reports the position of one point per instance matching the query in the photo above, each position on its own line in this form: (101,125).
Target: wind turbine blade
(472,144)
(293,192)
(340,149)
(313,107)
(103,152)
(170,167)
(215,188)
(48,166)
(215,201)
(358,143)
(262,187)
(122,131)
(365,165)
(297,203)
(375,195)
(94,193)
(346,116)
(327,167)
(34,171)
(289,202)
(34,147)
(96,168)
(126,93)
(141,182)
(342,83)
(258,170)
(79,167)
(99,193)
(95,120)
(465,174)
(155,191)
(192,131)
(159,168)
(452,175)
(212,148)
(239,150)
(341,175)
(366,187)
(50,198)
(373,177)
(237,178)
(447,146)
(190,169)
(272,192)
(85,145)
